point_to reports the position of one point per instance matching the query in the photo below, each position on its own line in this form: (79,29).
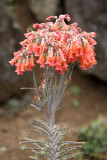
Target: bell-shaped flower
(41,61)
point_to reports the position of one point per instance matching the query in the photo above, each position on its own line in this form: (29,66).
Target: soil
(92,104)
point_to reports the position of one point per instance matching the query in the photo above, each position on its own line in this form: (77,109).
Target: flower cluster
(55,44)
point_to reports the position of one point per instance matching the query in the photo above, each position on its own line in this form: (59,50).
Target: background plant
(75,90)
(96,137)
(56,47)
(10,4)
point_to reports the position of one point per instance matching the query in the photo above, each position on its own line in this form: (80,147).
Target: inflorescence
(55,44)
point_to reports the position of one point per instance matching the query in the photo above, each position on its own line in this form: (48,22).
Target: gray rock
(92,16)
(10,36)
(43,8)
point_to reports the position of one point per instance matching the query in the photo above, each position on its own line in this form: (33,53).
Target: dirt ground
(92,103)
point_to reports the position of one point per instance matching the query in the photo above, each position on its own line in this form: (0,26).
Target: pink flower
(58,63)
(50,58)
(23,66)
(56,45)
(32,62)
(27,62)
(13,61)
(18,70)
(41,61)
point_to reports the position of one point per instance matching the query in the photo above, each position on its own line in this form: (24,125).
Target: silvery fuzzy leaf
(69,156)
(36,107)
(42,129)
(34,158)
(36,131)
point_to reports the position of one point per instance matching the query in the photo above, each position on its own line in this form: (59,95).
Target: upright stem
(52,141)
(52,95)
(37,93)
(50,92)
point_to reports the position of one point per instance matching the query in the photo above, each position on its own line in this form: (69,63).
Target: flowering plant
(56,47)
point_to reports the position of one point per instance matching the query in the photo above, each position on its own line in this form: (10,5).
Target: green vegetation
(96,137)
(10,4)
(75,103)
(14,105)
(75,90)
(11,1)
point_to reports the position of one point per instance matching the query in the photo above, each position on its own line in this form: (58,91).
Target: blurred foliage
(15,104)
(10,4)
(75,90)
(42,152)
(75,103)
(36,118)
(22,147)
(11,1)
(10,8)
(96,137)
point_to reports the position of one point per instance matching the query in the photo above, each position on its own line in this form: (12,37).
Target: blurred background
(85,100)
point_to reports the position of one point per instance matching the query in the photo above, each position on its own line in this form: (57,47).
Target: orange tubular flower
(58,63)
(56,45)
(50,58)
(18,70)
(27,64)
(13,61)
(32,62)
(23,66)
(41,61)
